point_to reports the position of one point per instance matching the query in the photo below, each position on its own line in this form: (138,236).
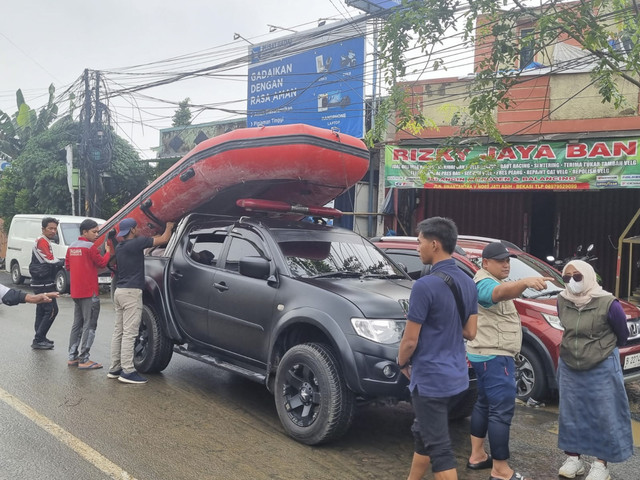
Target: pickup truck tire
(312,399)
(530,379)
(152,351)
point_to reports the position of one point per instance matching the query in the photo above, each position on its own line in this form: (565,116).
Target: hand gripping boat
(299,165)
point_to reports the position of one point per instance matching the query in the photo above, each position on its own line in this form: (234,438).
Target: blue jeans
(496,403)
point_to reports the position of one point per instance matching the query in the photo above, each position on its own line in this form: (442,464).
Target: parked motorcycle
(587,256)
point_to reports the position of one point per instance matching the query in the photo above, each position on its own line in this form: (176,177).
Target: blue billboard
(374,6)
(321,84)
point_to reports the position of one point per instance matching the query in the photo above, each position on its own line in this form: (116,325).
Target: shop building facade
(568,174)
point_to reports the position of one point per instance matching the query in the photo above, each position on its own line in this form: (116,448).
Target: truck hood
(374,297)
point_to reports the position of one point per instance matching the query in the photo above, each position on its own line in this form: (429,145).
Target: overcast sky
(44,42)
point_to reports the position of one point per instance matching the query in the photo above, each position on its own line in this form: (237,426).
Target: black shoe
(41,345)
(48,341)
(488,463)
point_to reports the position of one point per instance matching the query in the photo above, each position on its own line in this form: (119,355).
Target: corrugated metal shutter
(599,217)
(488,214)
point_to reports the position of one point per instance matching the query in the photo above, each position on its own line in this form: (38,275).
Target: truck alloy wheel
(313,402)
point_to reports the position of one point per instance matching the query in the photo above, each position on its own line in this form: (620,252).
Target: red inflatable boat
(299,165)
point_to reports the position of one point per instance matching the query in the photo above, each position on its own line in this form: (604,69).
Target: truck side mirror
(254,267)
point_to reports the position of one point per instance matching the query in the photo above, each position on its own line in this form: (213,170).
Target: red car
(542,332)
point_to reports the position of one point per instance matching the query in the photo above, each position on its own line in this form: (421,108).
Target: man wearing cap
(127,298)
(492,354)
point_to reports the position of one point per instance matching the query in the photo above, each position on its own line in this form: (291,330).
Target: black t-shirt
(130,260)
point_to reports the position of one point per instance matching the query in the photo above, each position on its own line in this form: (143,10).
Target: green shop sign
(588,165)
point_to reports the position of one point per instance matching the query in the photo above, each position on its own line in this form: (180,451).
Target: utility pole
(95,153)
(86,129)
(95,145)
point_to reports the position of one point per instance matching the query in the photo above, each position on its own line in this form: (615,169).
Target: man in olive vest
(492,354)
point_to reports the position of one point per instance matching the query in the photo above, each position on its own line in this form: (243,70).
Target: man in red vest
(83,261)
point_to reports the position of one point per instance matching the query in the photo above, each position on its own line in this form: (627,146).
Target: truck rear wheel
(152,351)
(312,399)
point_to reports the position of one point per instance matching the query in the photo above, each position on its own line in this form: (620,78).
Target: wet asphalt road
(196,422)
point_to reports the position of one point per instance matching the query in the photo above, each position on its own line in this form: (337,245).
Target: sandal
(73,363)
(515,476)
(89,365)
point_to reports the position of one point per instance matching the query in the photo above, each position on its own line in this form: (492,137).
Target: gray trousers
(83,331)
(128,304)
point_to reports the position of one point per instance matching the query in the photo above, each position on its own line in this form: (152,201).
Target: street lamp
(273,28)
(236,36)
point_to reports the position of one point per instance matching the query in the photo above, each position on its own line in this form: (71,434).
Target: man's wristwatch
(402,367)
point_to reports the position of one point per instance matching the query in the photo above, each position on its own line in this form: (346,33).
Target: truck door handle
(220,286)
(176,275)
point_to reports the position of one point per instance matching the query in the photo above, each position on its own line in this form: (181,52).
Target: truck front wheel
(312,399)
(152,351)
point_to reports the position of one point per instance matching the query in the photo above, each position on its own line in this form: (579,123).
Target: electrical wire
(229,58)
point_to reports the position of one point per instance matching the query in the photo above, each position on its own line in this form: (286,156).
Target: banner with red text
(587,165)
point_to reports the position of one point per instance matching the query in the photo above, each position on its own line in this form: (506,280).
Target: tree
(36,182)
(16,130)
(182,116)
(607,29)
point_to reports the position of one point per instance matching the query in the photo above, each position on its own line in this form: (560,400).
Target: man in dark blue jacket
(11,296)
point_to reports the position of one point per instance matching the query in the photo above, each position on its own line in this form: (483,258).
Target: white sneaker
(598,472)
(571,467)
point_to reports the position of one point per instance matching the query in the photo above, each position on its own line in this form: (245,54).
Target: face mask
(576,287)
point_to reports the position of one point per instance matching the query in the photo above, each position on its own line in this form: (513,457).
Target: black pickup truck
(313,312)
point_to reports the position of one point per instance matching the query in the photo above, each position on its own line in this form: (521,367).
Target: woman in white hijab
(594,410)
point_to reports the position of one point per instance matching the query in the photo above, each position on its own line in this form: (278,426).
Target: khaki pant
(128,304)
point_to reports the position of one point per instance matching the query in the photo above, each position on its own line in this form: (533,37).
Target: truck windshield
(328,254)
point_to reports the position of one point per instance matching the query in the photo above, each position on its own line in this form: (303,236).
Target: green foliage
(16,131)
(129,175)
(36,182)
(182,115)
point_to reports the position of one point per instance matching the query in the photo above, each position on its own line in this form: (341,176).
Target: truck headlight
(379,330)
(553,320)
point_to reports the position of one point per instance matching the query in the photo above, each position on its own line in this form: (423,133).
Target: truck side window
(249,245)
(206,248)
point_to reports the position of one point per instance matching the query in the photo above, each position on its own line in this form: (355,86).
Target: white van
(23,232)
